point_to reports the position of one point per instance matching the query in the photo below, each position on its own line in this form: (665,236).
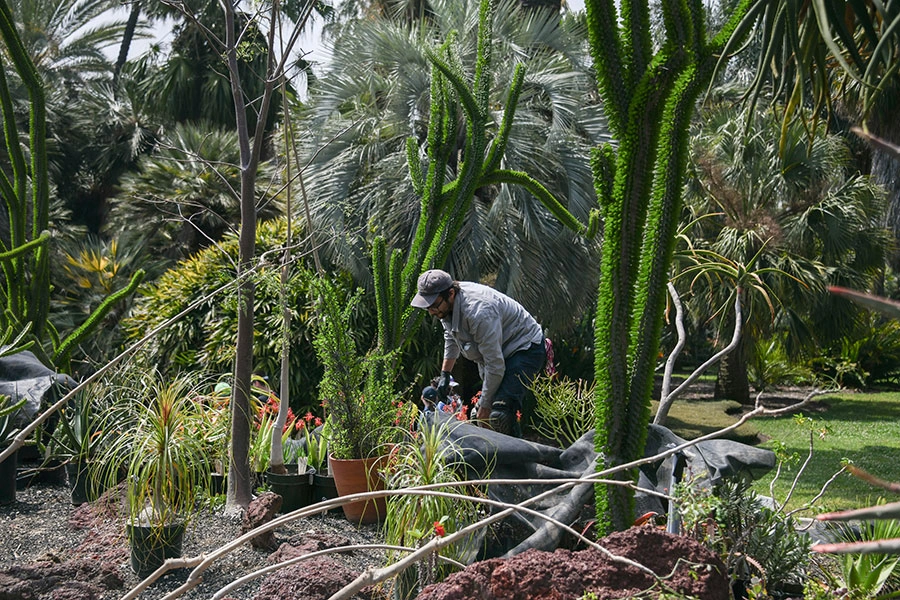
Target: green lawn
(863,428)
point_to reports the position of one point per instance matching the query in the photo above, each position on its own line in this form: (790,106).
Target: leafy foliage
(732,520)
(357,388)
(564,408)
(424,457)
(408,153)
(203,340)
(154,440)
(186,194)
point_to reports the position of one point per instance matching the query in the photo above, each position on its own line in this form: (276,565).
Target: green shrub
(871,357)
(204,339)
(564,408)
(733,521)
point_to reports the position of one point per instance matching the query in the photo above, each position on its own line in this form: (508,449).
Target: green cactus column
(649,100)
(445,201)
(25,261)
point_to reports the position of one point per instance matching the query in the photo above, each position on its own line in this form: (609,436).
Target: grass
(861,427)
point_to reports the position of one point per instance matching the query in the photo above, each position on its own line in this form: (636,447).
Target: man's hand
(443,386)
(483,414)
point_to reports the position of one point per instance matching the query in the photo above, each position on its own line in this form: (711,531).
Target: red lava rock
(262,510)
(689,568)
(299,545)
(45,580)
(311,579)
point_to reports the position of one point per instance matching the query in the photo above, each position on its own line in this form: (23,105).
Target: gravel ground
(43,525)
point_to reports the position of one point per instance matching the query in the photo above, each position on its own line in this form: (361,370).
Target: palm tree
(67,38)
(826,58)
(376,95)
(789,208)
(186,195)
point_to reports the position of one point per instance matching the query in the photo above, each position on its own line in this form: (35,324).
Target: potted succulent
(8,431)
(76,441)
(360,400)
(153,437)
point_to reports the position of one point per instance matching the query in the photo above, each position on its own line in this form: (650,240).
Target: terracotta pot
(356,475)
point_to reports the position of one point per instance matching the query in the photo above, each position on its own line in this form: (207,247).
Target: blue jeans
(521,369)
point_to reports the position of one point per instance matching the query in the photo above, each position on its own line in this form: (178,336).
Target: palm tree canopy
(788,207)
(186,194)
(376,95)
(67,38)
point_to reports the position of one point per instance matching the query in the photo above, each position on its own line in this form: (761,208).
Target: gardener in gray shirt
(492,330)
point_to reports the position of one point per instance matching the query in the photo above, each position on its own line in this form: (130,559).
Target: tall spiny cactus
(26,260)
(648,100)
(444,204)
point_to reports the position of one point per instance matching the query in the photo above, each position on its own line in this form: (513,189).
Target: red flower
(439,529)
(461,416)
(308,416)
(318,421)
(518,415)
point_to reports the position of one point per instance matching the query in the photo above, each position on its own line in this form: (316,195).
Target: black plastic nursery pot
(152,545)
(324,488)
(294,488)
(218,483)
(84,487)
(8,479)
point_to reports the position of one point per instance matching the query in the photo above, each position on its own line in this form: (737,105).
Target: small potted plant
(359,397)
(76,441)
(153,438)
(8,431)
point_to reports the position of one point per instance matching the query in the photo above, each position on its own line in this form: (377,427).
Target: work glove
(443,386)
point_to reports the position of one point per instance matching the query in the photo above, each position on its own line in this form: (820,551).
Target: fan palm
(793,211)
(66,38)
(186,195)
(836,54)
(376,95)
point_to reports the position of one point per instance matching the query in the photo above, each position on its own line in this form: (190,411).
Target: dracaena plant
(155,444)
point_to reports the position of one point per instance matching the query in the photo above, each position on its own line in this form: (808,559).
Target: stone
(261,511)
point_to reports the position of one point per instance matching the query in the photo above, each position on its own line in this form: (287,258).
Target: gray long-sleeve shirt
(486,327)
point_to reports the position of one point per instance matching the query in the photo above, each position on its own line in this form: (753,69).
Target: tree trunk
(127,37)
(732,382)
(886,172)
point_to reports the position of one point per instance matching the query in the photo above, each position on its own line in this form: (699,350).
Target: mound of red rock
(681,564)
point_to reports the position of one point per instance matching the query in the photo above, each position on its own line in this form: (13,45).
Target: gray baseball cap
(431,284)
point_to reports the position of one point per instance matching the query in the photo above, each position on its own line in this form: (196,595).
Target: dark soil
(50,550)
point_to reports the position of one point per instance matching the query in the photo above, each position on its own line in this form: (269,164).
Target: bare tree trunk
(885,171)
(127,37)
(732,382)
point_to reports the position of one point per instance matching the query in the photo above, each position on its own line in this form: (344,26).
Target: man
(492,330)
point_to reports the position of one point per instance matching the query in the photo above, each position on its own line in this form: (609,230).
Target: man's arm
(488,334)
